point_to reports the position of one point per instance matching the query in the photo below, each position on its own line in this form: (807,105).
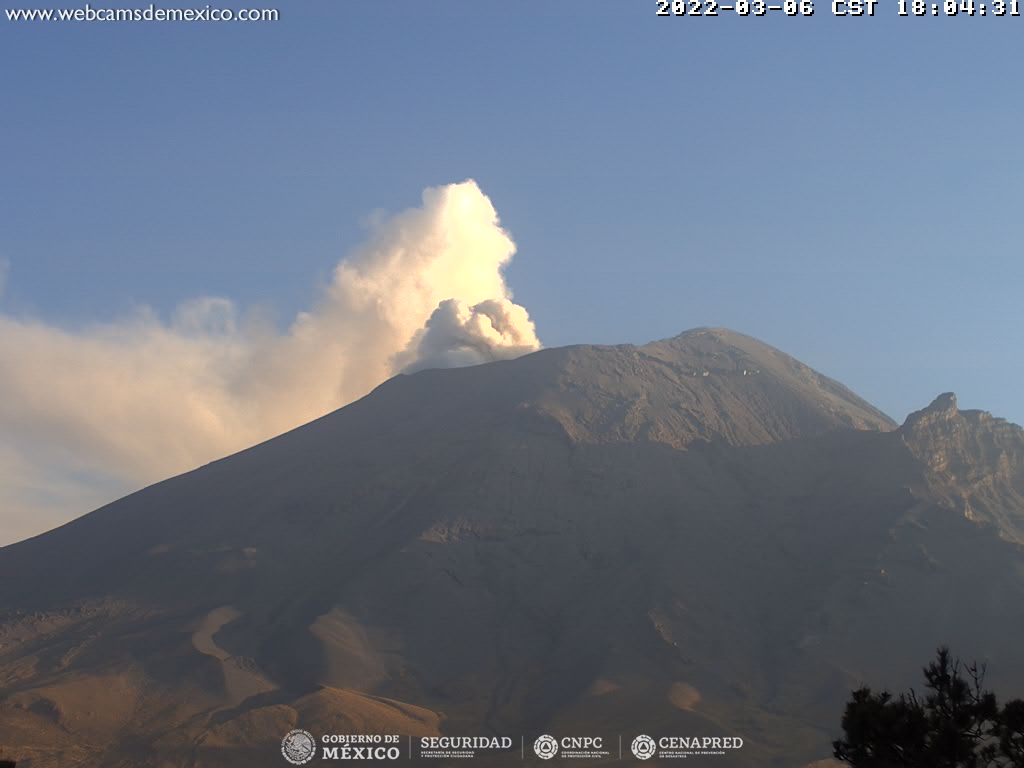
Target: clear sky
(846,189)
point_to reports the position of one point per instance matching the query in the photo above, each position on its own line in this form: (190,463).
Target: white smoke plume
(86,415)
(457,334)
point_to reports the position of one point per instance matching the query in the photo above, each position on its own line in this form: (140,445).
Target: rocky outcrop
(974,462)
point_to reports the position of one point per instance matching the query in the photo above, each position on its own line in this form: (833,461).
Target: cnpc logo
(547,746)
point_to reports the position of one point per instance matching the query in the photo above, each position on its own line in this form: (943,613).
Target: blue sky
(848,190)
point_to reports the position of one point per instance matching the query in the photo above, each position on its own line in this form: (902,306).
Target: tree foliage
(957,723)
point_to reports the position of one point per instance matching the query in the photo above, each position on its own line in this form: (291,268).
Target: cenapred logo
(643,747)
(546,747)
(298,747)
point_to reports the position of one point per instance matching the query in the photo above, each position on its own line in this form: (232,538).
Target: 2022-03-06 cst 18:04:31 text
(995,8)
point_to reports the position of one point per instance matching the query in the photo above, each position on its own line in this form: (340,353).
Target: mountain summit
(705,384)
(698,536)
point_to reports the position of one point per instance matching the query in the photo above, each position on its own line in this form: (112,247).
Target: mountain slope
(587,538)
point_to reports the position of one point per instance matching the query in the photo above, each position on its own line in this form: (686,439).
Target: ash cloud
(86,415)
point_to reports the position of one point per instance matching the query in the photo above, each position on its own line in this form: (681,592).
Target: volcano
(698,536)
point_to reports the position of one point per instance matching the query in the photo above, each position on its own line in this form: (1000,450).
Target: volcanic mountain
(699,536)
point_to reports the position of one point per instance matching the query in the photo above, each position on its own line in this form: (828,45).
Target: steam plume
(86,415)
